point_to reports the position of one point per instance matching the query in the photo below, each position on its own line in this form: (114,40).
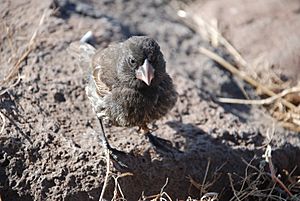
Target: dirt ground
(49,148)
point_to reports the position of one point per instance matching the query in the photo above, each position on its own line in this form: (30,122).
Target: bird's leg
(139,129)
(113,152)
(145,128)
(154,126)
(103,136)
(136,130)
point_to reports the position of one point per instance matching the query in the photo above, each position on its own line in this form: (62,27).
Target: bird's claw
(112,151)
(114,155)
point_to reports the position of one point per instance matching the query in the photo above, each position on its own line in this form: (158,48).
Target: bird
(127,83)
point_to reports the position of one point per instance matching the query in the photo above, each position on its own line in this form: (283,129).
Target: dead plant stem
(243,76)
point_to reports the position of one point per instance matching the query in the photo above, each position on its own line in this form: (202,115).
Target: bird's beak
(145,72)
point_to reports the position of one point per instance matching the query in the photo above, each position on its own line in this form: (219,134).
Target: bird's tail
(83,53)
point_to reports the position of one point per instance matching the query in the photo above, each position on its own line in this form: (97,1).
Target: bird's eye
(132,61)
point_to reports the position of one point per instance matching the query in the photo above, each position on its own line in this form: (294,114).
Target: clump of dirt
(49,149)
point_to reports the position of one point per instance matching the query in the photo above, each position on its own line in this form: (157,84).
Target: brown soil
(49,149)
(265,32)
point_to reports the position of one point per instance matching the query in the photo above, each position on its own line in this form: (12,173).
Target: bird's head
(142,63)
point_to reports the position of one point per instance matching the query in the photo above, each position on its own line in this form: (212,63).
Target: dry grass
(106,175)
(162,195)
(13,76)
(13,72)
(204,193)
(261,183)
(206,184)
(279,104)
(118,193)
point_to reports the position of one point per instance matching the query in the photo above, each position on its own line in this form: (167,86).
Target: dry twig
(204,179)
(158,197)
(207,30)
(30,47)
(211,196)
(207,196)
(232,187)
(106,175)
(15,69)
(288,120)
(11,86)
(3,122)
(266,101)
(118,187)
(243,76)
(268,158)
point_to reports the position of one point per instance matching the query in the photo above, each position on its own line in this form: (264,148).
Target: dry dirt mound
(49,149)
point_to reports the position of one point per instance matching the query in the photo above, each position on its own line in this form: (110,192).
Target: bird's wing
(104,64)
(102,88)
(85,54)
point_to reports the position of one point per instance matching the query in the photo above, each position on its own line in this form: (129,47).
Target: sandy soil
(49,149)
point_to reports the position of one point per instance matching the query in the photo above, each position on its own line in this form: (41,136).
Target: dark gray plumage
(129,85)
(123,99)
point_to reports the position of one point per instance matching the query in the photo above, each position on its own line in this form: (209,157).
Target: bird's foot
(154,127)
(137,130)
(115,155)
(160,143)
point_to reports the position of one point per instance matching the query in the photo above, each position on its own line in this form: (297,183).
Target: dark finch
(129,85)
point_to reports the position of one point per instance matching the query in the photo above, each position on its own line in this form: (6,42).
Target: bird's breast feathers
(129,107)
